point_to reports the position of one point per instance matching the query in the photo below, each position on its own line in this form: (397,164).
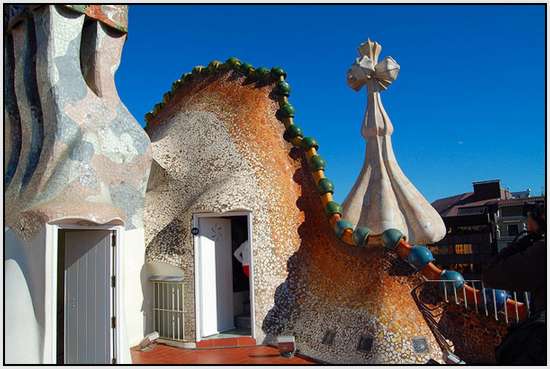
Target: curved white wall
(24,265)
(134,282)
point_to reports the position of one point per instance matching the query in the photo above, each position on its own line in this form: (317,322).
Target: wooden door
(88,271)
(215,276)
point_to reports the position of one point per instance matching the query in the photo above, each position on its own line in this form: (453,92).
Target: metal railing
(168,312)
(473,297)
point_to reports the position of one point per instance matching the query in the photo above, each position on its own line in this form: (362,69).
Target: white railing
(450,292)
(168,317)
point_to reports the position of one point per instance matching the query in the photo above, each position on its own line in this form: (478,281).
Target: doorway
(223,276)
(86,285)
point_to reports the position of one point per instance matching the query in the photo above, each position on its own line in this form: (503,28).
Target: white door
(88,271)
(215,276)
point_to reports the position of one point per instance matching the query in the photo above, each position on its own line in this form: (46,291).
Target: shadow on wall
(279,318)
(24,298)
(146,305)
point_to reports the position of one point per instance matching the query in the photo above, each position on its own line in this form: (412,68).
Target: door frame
(196,217)
(50,296)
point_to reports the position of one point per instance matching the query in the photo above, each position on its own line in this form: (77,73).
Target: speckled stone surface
(218,147)
(471,335)
(75,152)
(474,336)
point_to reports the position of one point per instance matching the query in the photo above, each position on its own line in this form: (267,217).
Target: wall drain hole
(365,344)
(328,338)
(420,345)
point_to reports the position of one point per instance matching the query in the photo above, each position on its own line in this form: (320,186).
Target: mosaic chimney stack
(73,150)
(382,196)
(75,157)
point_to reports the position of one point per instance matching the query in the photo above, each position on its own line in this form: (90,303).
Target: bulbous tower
(382,196)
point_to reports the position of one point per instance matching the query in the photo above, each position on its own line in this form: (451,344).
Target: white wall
(29,299)
(24,267)
(134,282)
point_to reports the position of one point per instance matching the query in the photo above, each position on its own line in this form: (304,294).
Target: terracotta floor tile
(227,342)
(247,341)
(162,354)
(205,343)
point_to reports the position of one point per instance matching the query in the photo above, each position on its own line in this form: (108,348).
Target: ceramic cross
(367,70)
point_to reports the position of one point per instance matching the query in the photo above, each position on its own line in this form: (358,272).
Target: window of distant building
(471,210)
(439,250)
(463,268)
(512,211)
(471,229)
(463,248)
(513,229)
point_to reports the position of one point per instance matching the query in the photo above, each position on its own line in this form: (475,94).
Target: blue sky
(468,104)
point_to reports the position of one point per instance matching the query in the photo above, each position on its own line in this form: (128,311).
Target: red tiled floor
(227,342)
(162,354)
(246,341)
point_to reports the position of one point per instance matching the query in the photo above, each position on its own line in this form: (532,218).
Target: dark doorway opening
(241,282)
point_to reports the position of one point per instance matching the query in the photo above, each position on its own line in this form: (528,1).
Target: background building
(511,221)
(479,224)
